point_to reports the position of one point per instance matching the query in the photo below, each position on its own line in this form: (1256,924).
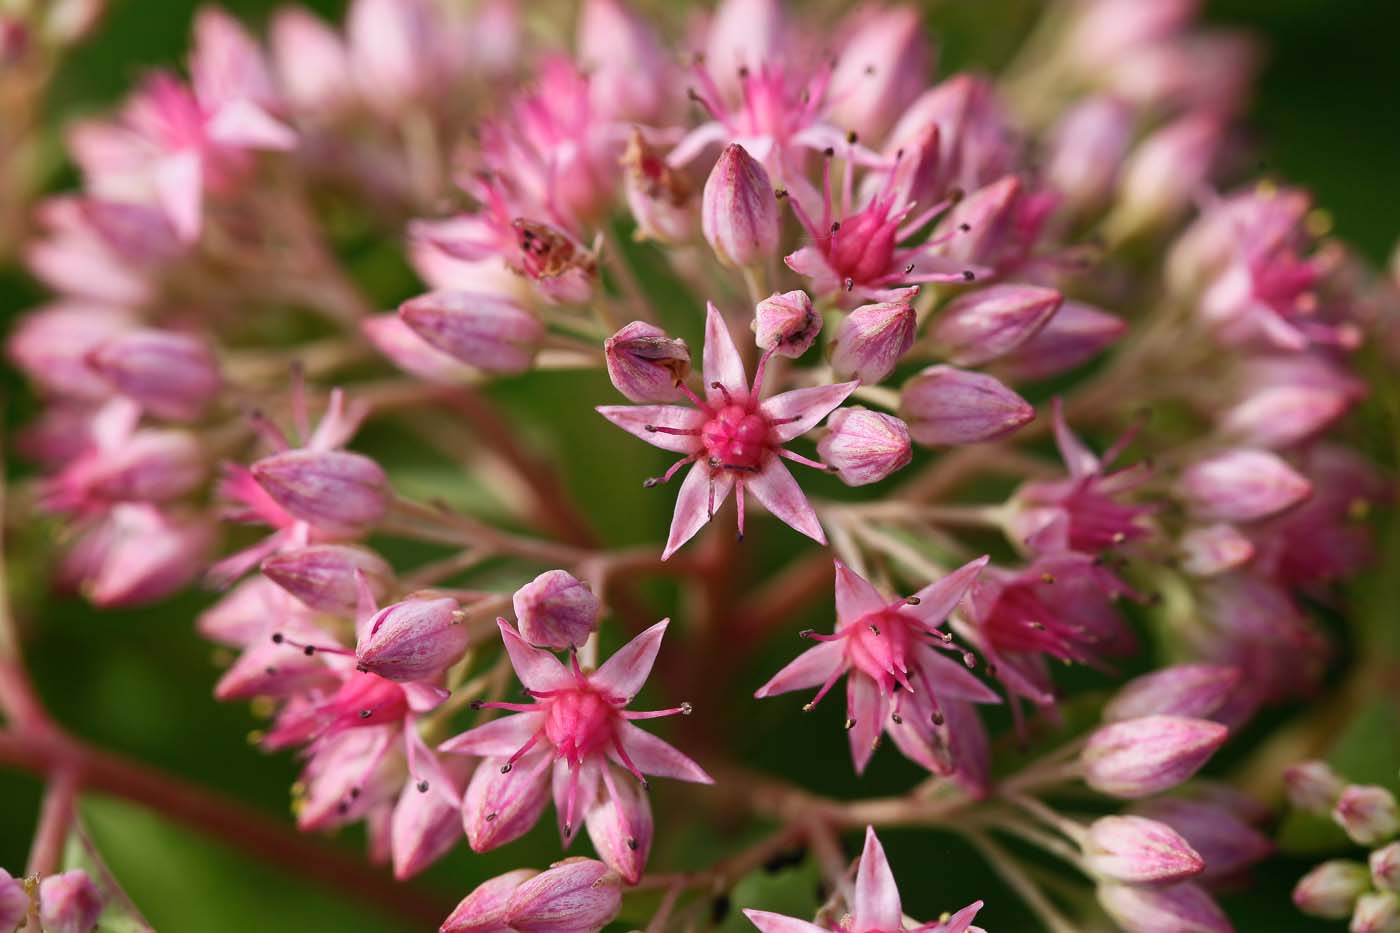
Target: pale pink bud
(660,196)
(1330,890)
(1242,485)
(1194,690)
(645,364)
(943,405)
(484,910)
(626,61)
(1376,912)
(1368,813)
(1138,850)
(872,340)
(743,34)
(1076,334)
(311,63)
(138,555)
(1140,908)
(14,902)
(1107,30)
(621,829)
(556,610)
(416,639)
(865,446)
(1088,147)
(1144,756)
(787,322)
(490,332)
(1224,840)
(988,323)
(148,466)
(1165,172)
(978,228)
(1289,398)
(335,490)
(69,903)
(396,49)
(411,353)
(1313,786)
(52,346)
(1385,867)
(170,375)
(738,210)
(577,895)
(1213,549)
(884,64)
(322,576)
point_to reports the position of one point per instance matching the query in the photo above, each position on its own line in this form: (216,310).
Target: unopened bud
(739,212)
(1368,813)
(1139,851)
(865,446)
(885,63)
(413,640)
(577,895)
(1195,690)
(1376,912)
(489,332)
(1171,909)
(484,910)
(1313,786)
(1076,334)
(410,352)
(1213,549)
(1087,149)
(170,375)
(1164,173)
(660,196)
(1330,890)
(991,322)
(1385,867)
(787,322)
(14,902)
(556,610)
(322,576)
(872,340)
(645,364)
(335,490)
(1144,756)
(943,405)
(1242,485)
(69,903)
(1220,835)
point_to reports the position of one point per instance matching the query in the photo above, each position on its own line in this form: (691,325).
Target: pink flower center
(862,247)
(878,646)
(736,438)
(578,722)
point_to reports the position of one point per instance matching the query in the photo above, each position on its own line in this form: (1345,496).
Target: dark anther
(937,718)
(969,275)
(491,818)
(909,268)
(687,709)
(719,910)
(850,284)
(851,137)
(898,719)
(807,633)
(913,600)
(278,638)
(309,650)
(829,152)
(835,225)
(476,704)
(631,843)
(850,724)
(422,787)
(965,228)
(505,768)
(651,482)
(366,713)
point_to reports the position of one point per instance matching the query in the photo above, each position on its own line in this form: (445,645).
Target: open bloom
(898,682)
(875,908)
(735,439)
(569,739)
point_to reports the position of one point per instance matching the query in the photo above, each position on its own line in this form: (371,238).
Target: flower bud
(943,405)
(1144,756)
(1138,850)
(1213,549)
(410,352)
(885,63)
(1376,912)
(1164,173)
(1171,909)
(743,34)
(739,212)
(1288,399)
(1313,786)
(69,903)
(53,346)
(489,332)
(865,446)
(312,67)
(872,340)
(645,364)
(1330,890)
(1225,841)
(577,895)
(1241,485)
(1368,813)
(416,639)
(1076,334)
(788,322)
(1087,148)
(1385,867)
(170,375)
(621,830)
(976,231)
(1194,690)
(147,466)
(991,322)
(14,902)
(659,195)
(484,910)
(138,555)
(556,610)
(322,576)
(336,491)
(629,72)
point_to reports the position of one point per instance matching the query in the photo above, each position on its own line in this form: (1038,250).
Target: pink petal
(244,124)
(811,668)
(623,674)
(498,738)
(808,406)
(774,486)
(693,504)
(722,362)
(855,597)
(499,808)
(1080,459)
(770,922)
(179,184)
(653,756)
(876,904)
(537,670)
(634,420)
(809,262)
(586,796)
(960,921)
(941,597)
(949,678)
(869,708)
(423,698)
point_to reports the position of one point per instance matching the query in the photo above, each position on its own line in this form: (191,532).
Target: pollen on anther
(850,724)
(687,709)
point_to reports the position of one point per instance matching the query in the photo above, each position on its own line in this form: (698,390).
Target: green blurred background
(139,681)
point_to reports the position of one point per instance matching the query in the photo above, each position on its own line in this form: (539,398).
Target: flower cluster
(939,274)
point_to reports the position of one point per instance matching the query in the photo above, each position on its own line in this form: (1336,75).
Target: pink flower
(875,908)
(734,438)
(898,682)
(571,737)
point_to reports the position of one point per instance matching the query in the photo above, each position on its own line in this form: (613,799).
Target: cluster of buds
(65,902)
(916,258)
(1366,891)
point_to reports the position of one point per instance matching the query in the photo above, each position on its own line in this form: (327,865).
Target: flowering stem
(55,820)
(1005,866)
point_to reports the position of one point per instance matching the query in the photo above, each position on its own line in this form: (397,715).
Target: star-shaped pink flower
(735,439)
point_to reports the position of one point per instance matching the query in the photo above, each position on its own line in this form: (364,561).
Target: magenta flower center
(862,247)
(736,438)
(578,722)
(878,647)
